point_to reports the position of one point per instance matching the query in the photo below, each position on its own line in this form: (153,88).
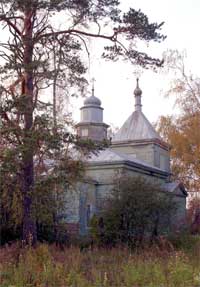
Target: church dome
(137,126)
(92,112)
(92,101)
(137,91)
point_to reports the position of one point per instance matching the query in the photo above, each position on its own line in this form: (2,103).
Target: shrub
(137,210)
(186,242)
(193,214)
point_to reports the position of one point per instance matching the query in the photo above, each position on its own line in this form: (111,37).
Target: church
(136,149)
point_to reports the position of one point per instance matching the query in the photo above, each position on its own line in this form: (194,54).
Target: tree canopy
(34,40)
(182,131)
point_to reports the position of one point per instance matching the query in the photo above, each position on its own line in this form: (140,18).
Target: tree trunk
(29,224)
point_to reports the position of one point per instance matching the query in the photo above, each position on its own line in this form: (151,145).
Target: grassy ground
(48,266)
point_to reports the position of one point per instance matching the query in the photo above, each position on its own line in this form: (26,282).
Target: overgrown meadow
(162,265)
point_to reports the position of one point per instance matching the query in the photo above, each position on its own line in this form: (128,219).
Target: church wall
(72,205)
(104,191)
(98,133)
(105,186)
(92,114)
(89,197)
(161,158)
(105,175)
(102,174)
(152,154)
(94,132)
(80,203)
(87,206)
(148,177)
(141,152)
(180,213)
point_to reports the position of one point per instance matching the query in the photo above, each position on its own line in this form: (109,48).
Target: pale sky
(115,82)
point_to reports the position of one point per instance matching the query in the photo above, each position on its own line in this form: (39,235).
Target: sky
(115,82)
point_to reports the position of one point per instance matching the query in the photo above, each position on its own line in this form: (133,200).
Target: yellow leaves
(183,134)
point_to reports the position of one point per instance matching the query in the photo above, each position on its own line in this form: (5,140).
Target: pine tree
(26,69)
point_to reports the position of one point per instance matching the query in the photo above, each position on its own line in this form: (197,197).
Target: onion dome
(138,98)
(91,124)
(92,100)
(137,91)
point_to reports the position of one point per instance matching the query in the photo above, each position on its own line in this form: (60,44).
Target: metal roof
(173,186)
(92,101)
(136,127)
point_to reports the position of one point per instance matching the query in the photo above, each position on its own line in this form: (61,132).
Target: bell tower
(91,125)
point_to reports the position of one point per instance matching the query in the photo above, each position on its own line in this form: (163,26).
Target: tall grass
(48,266)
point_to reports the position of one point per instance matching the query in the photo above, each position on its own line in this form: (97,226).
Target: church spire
(138,94)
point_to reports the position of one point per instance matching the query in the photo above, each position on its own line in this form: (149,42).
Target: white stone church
(136,149)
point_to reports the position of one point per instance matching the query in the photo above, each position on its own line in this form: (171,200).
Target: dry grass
(48,266)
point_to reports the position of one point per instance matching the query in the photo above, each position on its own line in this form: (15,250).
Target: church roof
(109,156)
(92,101)
(136,127)
(173,187)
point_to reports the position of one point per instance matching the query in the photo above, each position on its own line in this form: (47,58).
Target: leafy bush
(186,242)
(137,210)
(193,214)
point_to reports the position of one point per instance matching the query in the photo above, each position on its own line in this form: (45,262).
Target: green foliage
(185,241)
(37,54)
(48,201)
(137,210)
(150,273)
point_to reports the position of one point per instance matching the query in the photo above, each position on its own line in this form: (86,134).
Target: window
(84,132)
(162,162)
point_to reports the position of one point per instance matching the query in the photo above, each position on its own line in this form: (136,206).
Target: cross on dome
(92,100)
